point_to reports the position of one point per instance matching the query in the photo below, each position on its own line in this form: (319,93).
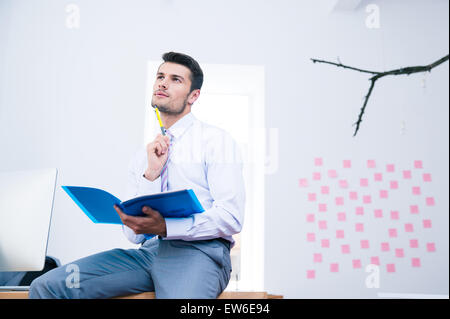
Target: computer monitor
(26,203)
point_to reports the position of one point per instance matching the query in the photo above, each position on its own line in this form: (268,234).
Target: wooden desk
(151,295)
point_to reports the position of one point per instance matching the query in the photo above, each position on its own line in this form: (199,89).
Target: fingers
(161,144)
(129,221)
(158,148)
(122,215)
(164,140)
(139,225)
(149,211)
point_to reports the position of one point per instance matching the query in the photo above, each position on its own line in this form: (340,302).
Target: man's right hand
(157,154)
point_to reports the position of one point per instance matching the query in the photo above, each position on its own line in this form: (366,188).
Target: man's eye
(159,77)
(177,80)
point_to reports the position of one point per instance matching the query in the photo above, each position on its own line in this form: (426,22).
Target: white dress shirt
(207,160)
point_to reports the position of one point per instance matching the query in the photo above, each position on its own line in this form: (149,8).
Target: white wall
(74,99)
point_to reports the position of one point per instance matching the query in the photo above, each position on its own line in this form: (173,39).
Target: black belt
(227,243)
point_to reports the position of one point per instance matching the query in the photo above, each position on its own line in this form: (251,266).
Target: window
(232,98)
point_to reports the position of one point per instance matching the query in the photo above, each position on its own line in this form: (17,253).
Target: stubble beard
(167,110)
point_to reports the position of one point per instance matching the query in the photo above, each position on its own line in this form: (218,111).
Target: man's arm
(226,185)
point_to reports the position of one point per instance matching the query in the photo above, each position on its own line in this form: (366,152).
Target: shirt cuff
(177,228)
(131,236)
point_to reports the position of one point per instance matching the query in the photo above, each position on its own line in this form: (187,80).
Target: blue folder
(98,204)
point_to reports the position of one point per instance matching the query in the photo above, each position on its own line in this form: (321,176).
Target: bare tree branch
(378,75)
(358,122)
(344,66)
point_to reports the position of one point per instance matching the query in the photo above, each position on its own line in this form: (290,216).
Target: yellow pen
(163,130)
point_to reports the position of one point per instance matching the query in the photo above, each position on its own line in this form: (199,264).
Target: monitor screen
(26,203)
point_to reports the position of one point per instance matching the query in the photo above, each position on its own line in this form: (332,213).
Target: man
(190,257)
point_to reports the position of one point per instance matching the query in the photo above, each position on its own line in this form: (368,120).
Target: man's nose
(162,84)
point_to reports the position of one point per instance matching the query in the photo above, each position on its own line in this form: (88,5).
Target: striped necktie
(164,173)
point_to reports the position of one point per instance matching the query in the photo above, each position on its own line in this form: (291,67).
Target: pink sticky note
(359,210)
(310,274)
(394,214)
(332,173)
(364,182)
(427,223)
(409,227)
(378,177)
(416,190)
(339,200)
(325,243)
(364,243)
(414,243)
(415,262)
(334,267)
(427,177)
(325,190)
(418,164)
(317,258)
(390,267)
(356,263)
(367,199)
(385,246)
(341,216)
(390,168)
(310,218)
(414,209)
(310,237)
(303,182)
(383,193)
(322,224)
(399,252)
(359,227)
(392,232)
(322,207)
(316,176)
(431,247)
(343,183)
(430,201)
(347,163)
(393,184)
(318,161)
(378,213)
(407,174)
(371,164)
(312,197)
(375,260)
(353,195)
(339,233)
(345,249)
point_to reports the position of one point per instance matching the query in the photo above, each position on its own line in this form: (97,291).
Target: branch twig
(343,66)
(378,75)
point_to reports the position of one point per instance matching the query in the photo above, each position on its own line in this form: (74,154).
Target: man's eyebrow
(172,75)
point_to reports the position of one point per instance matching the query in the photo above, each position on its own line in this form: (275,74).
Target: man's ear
(193,96)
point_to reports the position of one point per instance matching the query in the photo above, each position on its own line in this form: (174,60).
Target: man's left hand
(151,223)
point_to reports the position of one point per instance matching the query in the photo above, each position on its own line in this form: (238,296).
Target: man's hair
(183,59)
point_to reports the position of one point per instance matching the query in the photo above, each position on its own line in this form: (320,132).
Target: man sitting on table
(190,257)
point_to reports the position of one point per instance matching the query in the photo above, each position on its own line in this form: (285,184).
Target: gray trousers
(170,268)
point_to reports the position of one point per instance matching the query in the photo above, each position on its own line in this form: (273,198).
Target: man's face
(172,87)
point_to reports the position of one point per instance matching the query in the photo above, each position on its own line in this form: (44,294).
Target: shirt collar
(180,126)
